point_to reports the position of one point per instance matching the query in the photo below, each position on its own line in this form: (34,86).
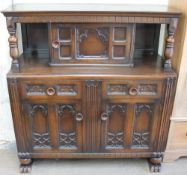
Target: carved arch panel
(113,127)
(146,117)
(69,127)
(38,122)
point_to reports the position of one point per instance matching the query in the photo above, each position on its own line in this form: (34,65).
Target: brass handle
(50,91)
(79,117)
(104,116)
(56,44)
(133,91)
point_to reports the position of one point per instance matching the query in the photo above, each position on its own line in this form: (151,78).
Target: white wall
(165,2)
(6,128)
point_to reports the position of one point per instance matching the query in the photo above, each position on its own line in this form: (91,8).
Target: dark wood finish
(72,97)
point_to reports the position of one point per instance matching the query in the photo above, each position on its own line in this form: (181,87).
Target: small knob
(104,116)
(56,44)
(79,117)
(133,91)
(50,91)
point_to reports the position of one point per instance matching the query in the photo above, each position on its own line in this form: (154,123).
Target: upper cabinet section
(91,33)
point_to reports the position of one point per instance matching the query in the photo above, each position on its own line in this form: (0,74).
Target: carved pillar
(92,104)
(13,42)
(168,53)
(23,145)
(157,157)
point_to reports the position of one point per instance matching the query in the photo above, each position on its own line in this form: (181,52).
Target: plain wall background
(6,127)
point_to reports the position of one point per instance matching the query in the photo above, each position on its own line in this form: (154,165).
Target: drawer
(130,89)
(50,89)
(92,43)
(178,137)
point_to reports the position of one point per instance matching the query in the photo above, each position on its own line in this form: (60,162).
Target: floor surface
(9,165)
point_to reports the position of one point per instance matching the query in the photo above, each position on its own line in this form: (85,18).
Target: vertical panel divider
(53,125)
(130,114)
(111,31)
(73,43)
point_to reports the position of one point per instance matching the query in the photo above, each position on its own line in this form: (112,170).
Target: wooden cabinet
(90,84)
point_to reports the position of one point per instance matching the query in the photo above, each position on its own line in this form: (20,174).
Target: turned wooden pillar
(168,54)
(13,42)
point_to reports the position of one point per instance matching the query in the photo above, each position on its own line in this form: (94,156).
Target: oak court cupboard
(90,82)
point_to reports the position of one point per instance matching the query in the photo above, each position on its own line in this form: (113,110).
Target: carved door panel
(113,127)
(145,125)
(37,125)
(70,130)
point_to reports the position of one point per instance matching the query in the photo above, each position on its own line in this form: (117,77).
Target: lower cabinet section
(100,122)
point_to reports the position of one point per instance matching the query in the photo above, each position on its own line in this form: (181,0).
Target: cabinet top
(127,10)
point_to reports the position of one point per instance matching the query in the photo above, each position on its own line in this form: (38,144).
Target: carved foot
(25,165)
(25,168)
(155,168)
(155,162)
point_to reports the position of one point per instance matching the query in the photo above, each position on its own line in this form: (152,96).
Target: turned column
(168,53)
(13,42)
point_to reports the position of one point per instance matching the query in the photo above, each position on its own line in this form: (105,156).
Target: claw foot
(25,168)
(155,168)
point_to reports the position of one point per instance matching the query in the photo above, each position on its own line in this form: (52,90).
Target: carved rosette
(13,42)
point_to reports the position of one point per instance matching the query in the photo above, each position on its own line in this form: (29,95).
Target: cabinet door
(70,131)
(54,126)
(145,125)
(113,126)
(129,126)
(37,124)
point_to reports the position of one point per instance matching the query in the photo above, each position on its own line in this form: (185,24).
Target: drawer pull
(133,91)
(79,117)
(50,91)
(56,44)
(104,116)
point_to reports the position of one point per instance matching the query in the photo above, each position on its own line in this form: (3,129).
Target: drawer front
(132,89)
(179,136)
(50,89)
(92,43)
